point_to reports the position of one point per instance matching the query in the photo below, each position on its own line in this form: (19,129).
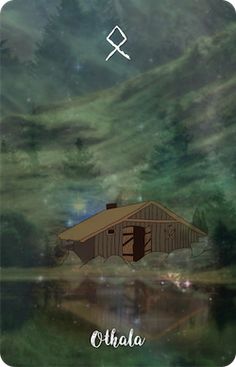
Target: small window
(170,233)
(110,231)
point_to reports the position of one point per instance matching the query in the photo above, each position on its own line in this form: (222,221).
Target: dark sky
(22,23)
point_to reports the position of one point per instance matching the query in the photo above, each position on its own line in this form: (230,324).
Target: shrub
(21,241)
(225,244)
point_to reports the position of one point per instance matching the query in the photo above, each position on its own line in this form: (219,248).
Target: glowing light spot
(80,206)
(69,223)
(187,283)
(137,321)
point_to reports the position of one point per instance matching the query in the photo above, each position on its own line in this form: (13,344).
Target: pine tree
(172,150)
(204,226)
(224,241)
(196,218)
(14,82)
(199,220)
(57,58)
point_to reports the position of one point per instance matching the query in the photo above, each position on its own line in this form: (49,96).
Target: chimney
(111,206)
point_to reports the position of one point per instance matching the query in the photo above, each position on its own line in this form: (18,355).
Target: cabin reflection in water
(150,310)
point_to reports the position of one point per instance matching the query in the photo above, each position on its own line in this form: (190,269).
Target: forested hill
(64,44)
(168,134)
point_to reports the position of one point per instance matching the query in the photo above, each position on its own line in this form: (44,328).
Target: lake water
(49,323)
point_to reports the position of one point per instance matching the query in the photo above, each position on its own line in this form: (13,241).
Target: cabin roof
(108,217)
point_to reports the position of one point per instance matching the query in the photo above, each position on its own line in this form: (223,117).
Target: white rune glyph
(117,47)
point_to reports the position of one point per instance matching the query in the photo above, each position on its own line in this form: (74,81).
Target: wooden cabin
(130,231)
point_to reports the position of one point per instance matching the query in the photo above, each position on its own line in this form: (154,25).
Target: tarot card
(118,176)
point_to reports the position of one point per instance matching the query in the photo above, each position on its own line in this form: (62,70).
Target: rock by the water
(72,259)
(152,260)
(201,255)
(198,248)
(117,265)
(180,258)
(204,260)
(97,261)
(204,240)
(115,261)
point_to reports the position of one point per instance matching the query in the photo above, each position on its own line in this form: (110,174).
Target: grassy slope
(120,126)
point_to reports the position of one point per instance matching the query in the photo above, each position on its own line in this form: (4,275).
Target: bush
(21,241)
(225,244)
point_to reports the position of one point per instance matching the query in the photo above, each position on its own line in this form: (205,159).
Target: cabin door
(139,237)
(133,243)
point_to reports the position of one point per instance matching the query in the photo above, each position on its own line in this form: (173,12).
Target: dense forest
(78,132)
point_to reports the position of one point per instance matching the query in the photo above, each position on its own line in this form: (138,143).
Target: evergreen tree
(196,218)
(14,82)
(57,62)
(21,242)
(199,220)
(78,162)
(4,146)
(224,241)
(204,226)
(172,150)
(176,160)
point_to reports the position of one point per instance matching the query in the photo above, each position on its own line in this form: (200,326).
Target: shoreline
(69,272)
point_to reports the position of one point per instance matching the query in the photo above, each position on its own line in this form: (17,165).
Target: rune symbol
(117,47)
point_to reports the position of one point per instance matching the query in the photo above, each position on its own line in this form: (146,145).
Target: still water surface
(49,323)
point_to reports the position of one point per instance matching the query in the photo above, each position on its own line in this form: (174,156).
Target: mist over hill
(54,51)
(167,134)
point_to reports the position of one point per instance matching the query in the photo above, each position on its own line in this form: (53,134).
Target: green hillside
(168,134)
(64,44)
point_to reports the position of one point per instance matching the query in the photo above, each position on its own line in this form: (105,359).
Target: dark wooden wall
(151,212)
(107,245)
(85,250)
(169,237)
(166,236)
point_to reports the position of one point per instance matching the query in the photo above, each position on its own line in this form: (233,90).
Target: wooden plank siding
(119,232)
(84,250)
(151,212)
(107,245)
(164,236)
(182,238)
